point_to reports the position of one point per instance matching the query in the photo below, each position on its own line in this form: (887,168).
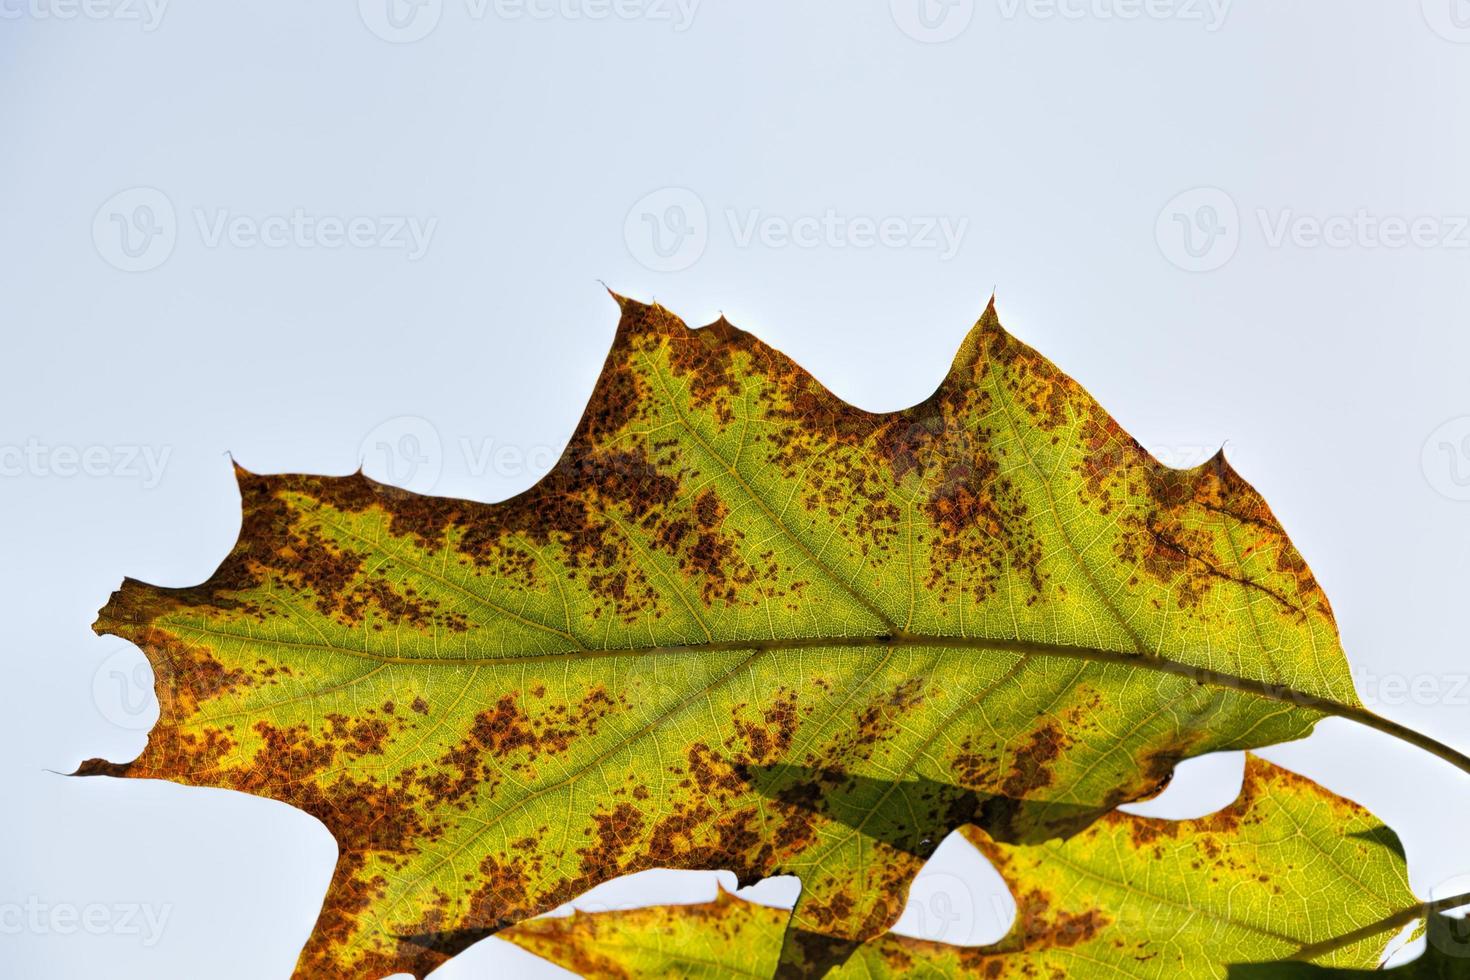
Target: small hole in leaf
(1200,786)
(958,898)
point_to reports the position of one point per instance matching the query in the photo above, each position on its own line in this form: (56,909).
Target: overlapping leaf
(1287,866)
(1446,956)
(740,625)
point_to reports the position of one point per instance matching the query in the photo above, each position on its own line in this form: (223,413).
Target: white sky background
(520,147)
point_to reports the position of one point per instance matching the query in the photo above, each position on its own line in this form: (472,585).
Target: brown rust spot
(704,360)
(507,736)
(1031,767)
(1039,927)
(770,738)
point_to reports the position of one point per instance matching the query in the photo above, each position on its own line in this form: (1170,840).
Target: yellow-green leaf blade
(741,624)
(724,938)
(1286,866)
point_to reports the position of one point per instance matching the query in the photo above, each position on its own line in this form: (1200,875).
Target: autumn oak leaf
(741,624)
(1288,867)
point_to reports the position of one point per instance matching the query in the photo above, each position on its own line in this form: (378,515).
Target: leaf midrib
(1201,675)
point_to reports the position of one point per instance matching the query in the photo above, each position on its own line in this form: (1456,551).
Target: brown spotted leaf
(1446,953)
(1446,956)
(728,937)
(1288,865)
(741,624)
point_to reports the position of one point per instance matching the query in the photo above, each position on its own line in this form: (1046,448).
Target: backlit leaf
(741,625)
(724,938)
(1285,866)
(1446,955)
